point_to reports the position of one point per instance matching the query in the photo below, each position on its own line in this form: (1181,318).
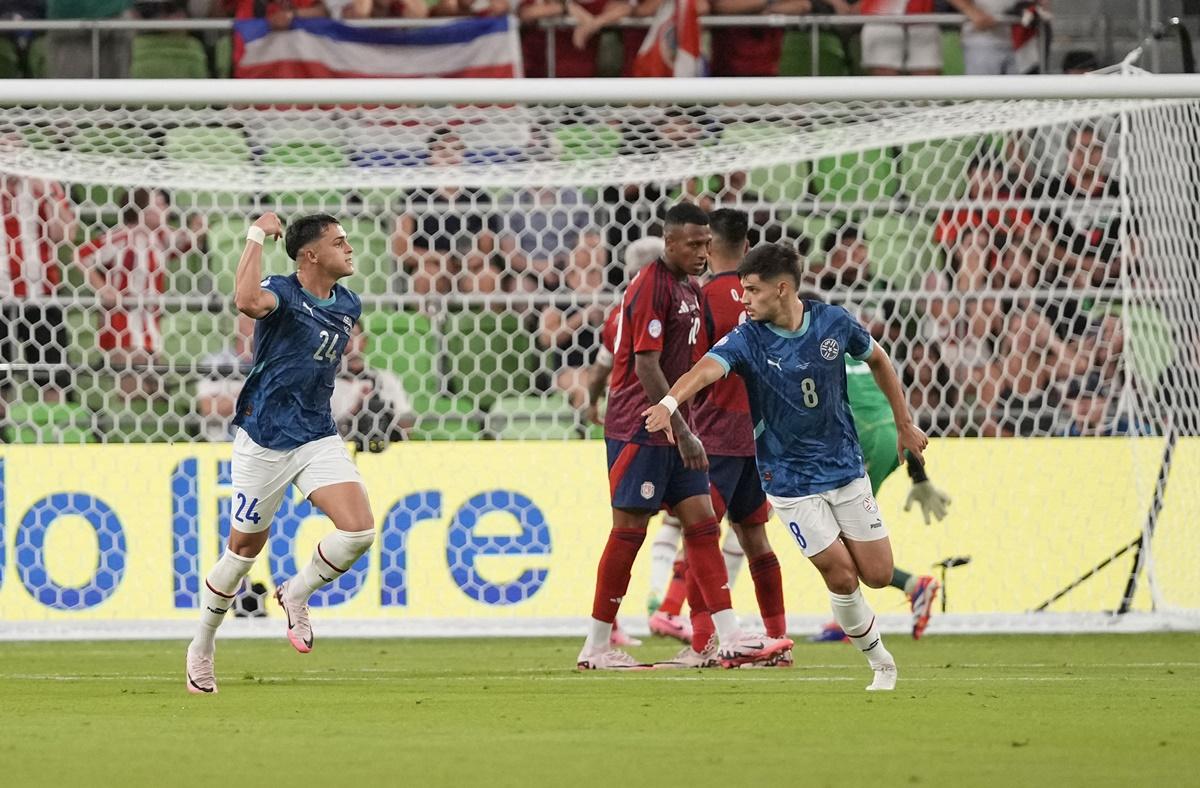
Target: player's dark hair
(771,261)
(685,213)
(729,228)
(304,231)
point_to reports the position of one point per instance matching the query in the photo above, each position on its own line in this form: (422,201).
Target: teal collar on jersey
(783,332)
(320,301)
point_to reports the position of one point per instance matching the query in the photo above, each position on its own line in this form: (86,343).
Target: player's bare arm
(911,438)
(703,374)
(250,297)
(651,376)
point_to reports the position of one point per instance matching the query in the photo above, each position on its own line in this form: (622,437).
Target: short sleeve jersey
(297,352)
(659,312)
(721,413)
(796,381)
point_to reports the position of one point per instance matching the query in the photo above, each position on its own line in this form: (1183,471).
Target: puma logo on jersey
(773,363)
(309,308)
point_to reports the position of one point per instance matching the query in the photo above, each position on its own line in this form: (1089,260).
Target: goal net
(1029,264)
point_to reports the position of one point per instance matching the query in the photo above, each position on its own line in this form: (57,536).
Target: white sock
(599,635)
(857,620)
(735,557)
(220,587)
(726,624)
(663,550)
(332,557)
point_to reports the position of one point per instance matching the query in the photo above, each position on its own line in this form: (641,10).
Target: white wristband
(670,403)
(256,235)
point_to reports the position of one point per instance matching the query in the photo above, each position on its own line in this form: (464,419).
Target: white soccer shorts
(816,521)
(261,476)
(891,46)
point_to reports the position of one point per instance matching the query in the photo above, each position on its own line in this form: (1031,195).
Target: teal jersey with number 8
(805,440)
(297,351)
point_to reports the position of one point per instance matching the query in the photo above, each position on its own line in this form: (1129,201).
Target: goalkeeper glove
(932,500)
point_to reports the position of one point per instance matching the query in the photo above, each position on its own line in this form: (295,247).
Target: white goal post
(1026,248)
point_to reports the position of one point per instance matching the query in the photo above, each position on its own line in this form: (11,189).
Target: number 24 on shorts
(244,513)
(795,529)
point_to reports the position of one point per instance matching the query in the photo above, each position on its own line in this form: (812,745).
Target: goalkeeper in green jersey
(877,436)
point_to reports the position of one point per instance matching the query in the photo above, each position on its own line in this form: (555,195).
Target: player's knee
(879,576)
(840,579)
(754,540)
(360,528)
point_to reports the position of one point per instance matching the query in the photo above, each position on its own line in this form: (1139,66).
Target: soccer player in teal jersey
(791,356)
(286,432)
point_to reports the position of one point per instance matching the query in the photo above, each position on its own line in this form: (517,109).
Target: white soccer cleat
(201,677)
(299,630)
(613,659)
(885,678)
(689,658)
(746,649)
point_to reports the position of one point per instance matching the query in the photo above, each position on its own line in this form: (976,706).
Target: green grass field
(1003,710)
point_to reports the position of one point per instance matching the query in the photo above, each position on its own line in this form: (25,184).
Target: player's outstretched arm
(250,297)
(699,377)
(911,438)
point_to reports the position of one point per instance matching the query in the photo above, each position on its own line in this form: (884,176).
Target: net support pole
(1144,542)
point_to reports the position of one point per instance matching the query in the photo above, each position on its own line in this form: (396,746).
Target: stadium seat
(189,336)
(445,419)
(404,343)
(935,171)
(39,422)
(952,54)
(866,177)
(10,58)
(900,249)
(311,156)
(223,57)
(532,418)
(37,57)
(796,61)
(168,56)
(488,356)
(214,146)
(587,141)
(781,183)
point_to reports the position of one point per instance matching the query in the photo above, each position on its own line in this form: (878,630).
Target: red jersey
(721,414)
(746,51)
(568,61)
(132,261)
(658,312)
(28,260)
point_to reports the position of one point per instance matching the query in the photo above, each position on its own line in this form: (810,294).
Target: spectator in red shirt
(35,217)
(280,13)
(126,268)
(751,51)
(575,50)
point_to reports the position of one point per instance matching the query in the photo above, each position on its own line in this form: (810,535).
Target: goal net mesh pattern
(1029,265)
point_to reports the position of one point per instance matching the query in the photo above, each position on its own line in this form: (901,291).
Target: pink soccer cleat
(201,678)
(752,648)
(622,639)
(922,599)
(299,630)
(670,626)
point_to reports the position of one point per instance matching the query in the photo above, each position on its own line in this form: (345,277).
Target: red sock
(703,546)
(768,587)
(702,623)
(612,576)
(673,602)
